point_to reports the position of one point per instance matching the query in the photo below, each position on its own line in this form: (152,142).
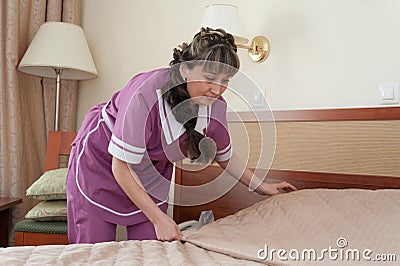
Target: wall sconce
(227,17)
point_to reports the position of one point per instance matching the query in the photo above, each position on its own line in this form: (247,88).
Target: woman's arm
(166,228)
(235,168)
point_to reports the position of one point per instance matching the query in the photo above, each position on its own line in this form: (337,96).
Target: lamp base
(58,80)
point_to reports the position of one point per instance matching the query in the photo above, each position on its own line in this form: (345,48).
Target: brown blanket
(350,226)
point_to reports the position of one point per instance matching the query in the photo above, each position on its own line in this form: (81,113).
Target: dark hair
(208,46)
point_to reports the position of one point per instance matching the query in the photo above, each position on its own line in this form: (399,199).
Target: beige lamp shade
(59,45)
(226,17)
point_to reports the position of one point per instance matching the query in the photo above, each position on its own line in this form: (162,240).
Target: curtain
(27,103)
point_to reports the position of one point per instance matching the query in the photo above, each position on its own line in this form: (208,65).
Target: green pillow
(53,210)
(50,186)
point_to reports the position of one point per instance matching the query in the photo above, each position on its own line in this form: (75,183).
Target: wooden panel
(305,179)
(239,197)
(343,114)
(36,239)
(6,203)
(5,208)
(18,239)
(58,143)
(177,192)
(5,227)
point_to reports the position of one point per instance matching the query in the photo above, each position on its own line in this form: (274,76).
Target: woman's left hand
(274,188)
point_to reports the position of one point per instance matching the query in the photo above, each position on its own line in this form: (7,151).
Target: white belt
(106,118)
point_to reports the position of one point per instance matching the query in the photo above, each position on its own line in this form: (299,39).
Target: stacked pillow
(50,188)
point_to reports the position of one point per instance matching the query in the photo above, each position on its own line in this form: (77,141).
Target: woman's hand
(166,228)
(274,188)
(235,168)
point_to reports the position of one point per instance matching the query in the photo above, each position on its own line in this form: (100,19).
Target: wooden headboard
(377,174)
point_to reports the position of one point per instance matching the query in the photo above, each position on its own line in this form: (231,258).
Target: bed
(352,226)
(334,218)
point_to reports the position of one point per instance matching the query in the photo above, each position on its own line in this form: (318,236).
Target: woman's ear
(184,70)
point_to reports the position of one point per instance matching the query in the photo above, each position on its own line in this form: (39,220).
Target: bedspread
(305,227)
(148,252)
(315,226)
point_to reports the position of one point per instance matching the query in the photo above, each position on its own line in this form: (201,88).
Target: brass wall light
(227,17)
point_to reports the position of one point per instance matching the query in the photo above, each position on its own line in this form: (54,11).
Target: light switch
(257,99)
(389,93)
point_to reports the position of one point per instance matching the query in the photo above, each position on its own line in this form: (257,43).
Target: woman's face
(203,87)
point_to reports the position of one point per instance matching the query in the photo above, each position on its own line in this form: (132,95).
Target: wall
(324,53)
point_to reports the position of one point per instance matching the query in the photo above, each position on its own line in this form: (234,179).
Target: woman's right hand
(166,228)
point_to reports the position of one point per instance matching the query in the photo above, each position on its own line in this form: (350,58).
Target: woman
(122,159)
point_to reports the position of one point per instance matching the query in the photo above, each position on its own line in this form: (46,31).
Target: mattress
(148,252)
(305,227)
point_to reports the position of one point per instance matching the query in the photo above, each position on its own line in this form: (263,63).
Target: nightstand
(5,209)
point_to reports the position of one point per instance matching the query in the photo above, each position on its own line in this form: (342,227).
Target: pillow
(50,186)
(54,210)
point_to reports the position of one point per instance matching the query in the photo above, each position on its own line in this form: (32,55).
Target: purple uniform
(135,126)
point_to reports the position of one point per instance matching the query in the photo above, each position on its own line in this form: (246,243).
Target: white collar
(173,129)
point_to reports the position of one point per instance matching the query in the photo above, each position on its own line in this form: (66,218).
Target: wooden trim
(332,179)
(177,191)
(237,198)
(58,143)
(345,114)
(36,239)
(229,203)
(18,239)
(192,178)
(6,203)
(53,150)
(66,140)
(5,209)
(5,227)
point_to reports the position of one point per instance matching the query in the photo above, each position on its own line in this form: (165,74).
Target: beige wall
(325,53)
